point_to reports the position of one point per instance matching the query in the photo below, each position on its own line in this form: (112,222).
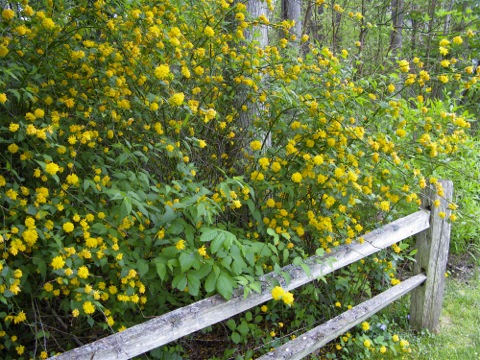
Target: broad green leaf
(142,266)
(161,270)
(186,261)
(193,283)
(225,286)
(236,338)
(211,282)
(180,282)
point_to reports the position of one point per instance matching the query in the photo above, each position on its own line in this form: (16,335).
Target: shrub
(132,183)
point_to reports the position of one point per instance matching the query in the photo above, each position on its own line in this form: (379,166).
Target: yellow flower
(276,167)
(288,298)
(445,63)
(3,98)
(83,272)
(255,145)
(209,31)
(385,205)
(443,78)
(365,326)
(264,308)
(444,42)
(13,127)
(39,113)
(8,14)
(13,148)
(202,251)
(278,293)
(404,65)
(180,244)
(52,168)
(176,99)
(162,71)
(257,176)
(72,179)
(202,143)
(68,227)
(297,177)
(20,349)
(57,262)
(48,24)
(443,50)
(367,343)
(88,307)
(457,40)
(383,350)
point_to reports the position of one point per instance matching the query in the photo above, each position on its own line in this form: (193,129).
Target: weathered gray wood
(178,323)
(433,245)
(316,338)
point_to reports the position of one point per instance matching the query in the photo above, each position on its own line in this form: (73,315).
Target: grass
(458,336)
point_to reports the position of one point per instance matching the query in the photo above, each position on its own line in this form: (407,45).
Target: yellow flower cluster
(278,293)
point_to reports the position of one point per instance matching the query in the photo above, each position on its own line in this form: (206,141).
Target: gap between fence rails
(164,329)
(319,336)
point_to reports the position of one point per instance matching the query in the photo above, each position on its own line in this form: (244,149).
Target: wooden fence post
(433,245)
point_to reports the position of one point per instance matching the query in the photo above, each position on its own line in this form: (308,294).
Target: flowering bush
(131,183)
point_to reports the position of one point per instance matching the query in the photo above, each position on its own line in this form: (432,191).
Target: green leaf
(175,228)
(225,286)
(217,243)
(180,282)
(256,286)
(186,261)
(208,235)
(236,338)
(211,281)
(297,261)
(125,208)
(286,255)
(142,266)
(320,252)
(243,328)
(161,270)
(231,324)
(306,269)
(41,266)
(193,283)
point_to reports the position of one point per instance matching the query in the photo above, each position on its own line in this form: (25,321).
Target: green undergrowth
(458,336)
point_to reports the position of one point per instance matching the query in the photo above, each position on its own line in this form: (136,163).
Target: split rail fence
(427,285)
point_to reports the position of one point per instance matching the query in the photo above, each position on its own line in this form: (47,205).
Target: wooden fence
(433,234)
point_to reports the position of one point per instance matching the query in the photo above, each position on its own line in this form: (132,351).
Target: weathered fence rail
(432,244)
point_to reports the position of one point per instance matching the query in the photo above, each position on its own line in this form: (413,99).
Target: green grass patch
(458,336)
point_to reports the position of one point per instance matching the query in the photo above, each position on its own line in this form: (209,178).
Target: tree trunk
(258,34)
(448,18)
(292,10)
(396,36)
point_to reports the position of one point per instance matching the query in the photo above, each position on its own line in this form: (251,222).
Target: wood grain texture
(316,338)
(159,331)
(433,245)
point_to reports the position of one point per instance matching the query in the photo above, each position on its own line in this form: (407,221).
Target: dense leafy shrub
(152,156)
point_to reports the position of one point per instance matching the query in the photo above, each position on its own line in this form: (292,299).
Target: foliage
(458,336)
(131,183)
